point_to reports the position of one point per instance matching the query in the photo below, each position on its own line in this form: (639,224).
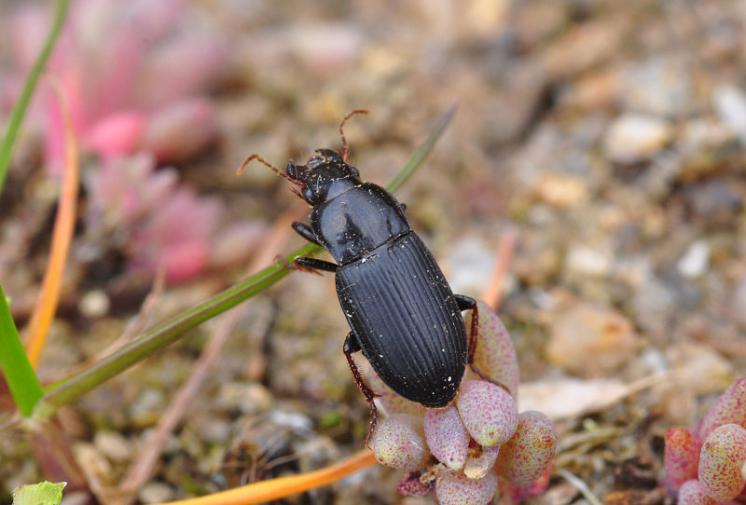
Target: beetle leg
(313,265)
(351,346)
(306,232)
(403,206)
(469,303)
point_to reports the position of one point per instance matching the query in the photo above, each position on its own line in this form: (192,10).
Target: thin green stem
(19,110)
(170,330)
(22,381)
(422,151)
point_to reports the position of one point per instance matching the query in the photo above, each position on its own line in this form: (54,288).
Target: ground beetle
(402,313)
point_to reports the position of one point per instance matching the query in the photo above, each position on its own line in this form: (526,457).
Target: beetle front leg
(305,231)
(469,303)
(351,346)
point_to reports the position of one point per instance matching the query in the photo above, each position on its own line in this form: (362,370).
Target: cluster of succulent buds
(707,466)
(479,443)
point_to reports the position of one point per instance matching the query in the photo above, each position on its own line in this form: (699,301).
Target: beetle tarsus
(468,303)
(351,346)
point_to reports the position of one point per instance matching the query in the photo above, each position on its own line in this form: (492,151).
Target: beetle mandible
(402,313)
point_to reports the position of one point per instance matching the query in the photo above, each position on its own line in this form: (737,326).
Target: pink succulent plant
(707,466)
(166,226)
(159,223)
(134,75)
(466,451)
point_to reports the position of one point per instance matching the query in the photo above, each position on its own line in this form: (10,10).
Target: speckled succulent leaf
(397,443)
(481,461)
(729,408)
(489,413)
(680,457)
(720,461)
(446,437)
(412,485)
(455,489)
(391,402)
(521,493)
(495,357)
(530,452)
(693,493)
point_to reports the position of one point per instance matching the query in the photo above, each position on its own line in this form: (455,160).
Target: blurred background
(604,139)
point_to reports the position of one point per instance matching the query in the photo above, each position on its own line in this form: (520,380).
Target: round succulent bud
(720,461)
(680,457)
(413,485)
(489,413)
(495,357)
(455,489)
(530,452)
(391,402)
(396,442)
(478,464)
(693,493)
(446,437)
(730,408)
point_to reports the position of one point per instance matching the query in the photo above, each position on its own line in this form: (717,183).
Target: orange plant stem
(493,294)
(273,489)
(46,304)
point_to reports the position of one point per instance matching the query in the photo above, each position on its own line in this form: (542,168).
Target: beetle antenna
(345,147)
(267,164)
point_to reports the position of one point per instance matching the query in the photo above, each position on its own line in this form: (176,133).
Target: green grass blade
(421,153)
(169,331)
(22,381)
(19,110)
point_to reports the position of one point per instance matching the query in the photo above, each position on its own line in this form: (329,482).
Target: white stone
(695,261)
(634,137)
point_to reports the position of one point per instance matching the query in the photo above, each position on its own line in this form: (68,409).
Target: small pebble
(155,492)
(588,261)
(695,261)
(113,445)
(94,304)
(634,138)
(249,398)
(730,104)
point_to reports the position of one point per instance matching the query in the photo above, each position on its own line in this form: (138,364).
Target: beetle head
(324,176)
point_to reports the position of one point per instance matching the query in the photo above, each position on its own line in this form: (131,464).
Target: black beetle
(402,313)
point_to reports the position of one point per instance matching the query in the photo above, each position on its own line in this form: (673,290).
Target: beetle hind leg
(469,303)
(351,346)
